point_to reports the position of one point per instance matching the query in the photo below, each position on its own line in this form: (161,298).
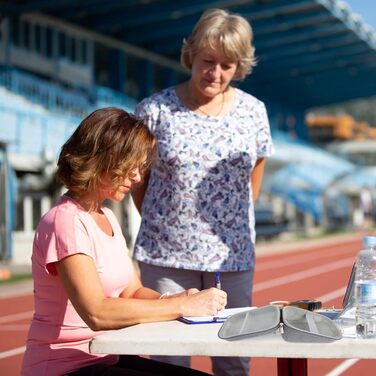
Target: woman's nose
(135,175)
(215,70)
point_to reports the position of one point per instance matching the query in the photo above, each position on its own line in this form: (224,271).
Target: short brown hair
(110,141)
(232,31)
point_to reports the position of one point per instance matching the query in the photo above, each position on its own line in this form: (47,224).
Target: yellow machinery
(327,128)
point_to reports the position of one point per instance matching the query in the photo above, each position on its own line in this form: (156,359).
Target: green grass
(15,277)
(321,234)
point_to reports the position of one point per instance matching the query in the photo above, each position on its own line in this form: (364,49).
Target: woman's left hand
(179,294)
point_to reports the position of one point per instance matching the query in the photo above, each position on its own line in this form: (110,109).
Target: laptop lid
(348,298)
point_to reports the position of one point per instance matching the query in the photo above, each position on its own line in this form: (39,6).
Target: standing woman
(84,280)
(197,205)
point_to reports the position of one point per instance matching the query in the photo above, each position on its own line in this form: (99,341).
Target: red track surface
(319,271)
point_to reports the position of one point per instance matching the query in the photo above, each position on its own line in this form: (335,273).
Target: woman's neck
(206,105)
(94,209)
(88,202)
(197,97)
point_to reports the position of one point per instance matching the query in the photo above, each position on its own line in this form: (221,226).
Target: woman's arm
(136,290)
(256,177)
(138,191)
(102,313)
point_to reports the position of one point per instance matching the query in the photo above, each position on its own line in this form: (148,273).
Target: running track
(305,270)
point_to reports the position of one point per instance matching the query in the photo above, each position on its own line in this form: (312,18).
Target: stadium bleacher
(38,116)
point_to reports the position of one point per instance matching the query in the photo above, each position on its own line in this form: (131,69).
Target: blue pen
(218,280)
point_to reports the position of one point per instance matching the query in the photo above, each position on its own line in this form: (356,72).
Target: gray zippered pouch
(297,324)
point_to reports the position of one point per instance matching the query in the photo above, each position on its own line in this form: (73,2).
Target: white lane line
(342,367)
(345,365)
(13,352)
(16,317)
(332,295)
(267,265)
(303,274)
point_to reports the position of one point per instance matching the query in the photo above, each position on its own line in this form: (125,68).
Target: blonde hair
(232,32)
(108,141)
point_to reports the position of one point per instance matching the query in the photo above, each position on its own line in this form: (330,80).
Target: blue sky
(366,9)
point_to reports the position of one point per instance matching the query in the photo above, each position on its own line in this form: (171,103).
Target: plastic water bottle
(365,289)
(346,319)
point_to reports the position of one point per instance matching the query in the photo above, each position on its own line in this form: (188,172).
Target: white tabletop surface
(177,338)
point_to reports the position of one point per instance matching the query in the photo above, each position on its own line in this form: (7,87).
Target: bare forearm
(115,313)
(256,178)
(146,293)
(136,304)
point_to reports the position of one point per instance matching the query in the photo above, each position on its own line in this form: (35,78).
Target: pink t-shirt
(58,339)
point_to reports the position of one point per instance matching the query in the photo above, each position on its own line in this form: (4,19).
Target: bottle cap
(369,241)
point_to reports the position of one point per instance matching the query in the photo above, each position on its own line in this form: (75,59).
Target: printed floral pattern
(198,211)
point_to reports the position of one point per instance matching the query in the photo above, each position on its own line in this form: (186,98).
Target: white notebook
(218,318)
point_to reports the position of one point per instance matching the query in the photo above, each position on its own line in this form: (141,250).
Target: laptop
(347,299)
(349,294)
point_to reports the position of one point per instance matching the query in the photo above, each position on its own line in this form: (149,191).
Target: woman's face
(212,72)
(124,186)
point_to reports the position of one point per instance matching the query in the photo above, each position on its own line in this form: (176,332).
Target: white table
(176,338)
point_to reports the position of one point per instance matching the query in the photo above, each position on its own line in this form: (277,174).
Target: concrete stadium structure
(59,60)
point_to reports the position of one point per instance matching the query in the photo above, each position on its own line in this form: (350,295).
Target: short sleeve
(144,111)
(69,237)
(264,141)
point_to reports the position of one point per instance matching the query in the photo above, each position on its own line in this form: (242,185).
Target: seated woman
(84,280)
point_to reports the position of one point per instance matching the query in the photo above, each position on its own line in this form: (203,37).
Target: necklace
(216,114)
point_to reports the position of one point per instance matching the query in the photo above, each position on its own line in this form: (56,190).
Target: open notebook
(219,318)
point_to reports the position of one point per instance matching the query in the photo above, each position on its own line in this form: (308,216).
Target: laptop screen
(349,294)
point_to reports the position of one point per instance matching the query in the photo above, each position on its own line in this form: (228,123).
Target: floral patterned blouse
(198,210)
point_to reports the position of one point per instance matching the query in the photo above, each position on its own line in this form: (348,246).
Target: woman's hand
(136,304)
(192,291)
(179,294)
(204,303)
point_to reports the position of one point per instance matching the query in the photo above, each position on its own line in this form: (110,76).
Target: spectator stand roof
(315,181)
(308,171)
(310,52)
(353,183)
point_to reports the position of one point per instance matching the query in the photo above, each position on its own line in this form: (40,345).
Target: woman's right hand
(204,303)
